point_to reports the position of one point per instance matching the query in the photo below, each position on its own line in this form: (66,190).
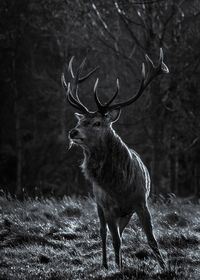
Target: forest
(37,40)
(49,220)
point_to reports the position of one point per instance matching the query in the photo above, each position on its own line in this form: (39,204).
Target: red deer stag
(121,182)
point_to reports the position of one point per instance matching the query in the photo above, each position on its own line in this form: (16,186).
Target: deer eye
(96,124)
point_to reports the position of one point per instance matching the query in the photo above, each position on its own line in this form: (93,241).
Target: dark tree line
(38,37)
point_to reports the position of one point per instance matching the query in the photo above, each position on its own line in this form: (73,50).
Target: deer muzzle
(75,136)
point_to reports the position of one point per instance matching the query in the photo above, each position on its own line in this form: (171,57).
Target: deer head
(92,126)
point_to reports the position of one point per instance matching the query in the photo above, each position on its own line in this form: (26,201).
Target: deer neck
(108,162)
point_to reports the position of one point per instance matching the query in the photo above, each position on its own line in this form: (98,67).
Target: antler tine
(135,97)
(153,71)
(76,101)
(78,80)
(156,70)
(82,79)
(70,67)
(73,104)
(66,87)
(103,108)
(72,93)
(163,66)
(115,94)
(70,97)
(99,105)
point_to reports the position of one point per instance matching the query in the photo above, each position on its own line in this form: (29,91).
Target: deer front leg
(113,227)
(145,219)
(103,233)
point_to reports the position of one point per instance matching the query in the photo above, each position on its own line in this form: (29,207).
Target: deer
(120,180)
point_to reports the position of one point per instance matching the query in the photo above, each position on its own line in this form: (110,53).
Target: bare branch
(133,36)
(148,2)
(105,26)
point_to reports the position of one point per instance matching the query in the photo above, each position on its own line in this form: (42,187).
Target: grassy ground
(51,239)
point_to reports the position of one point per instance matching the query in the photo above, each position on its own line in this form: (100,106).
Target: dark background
(38,37)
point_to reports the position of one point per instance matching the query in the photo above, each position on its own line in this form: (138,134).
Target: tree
(129,29)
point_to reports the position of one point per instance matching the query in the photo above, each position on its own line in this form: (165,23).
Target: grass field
(59,239)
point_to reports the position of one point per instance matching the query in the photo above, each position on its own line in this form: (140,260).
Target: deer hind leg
(123,221)
(103,233)
(113,227)
(145,219)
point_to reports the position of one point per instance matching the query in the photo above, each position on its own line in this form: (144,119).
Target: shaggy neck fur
(109,162)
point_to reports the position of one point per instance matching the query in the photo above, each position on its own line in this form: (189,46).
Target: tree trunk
(172,173)
(17,134)
(174,167)
(197,180)
(157,137)
(176,186)
(19,155)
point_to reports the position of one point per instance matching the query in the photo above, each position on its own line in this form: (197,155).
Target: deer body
(121,185)
(121,182)
(118,176)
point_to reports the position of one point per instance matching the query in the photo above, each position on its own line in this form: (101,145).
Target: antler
(153,71)
(72,90)
(103,108)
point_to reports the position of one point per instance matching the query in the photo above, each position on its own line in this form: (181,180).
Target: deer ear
(114,115)
(79,116)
